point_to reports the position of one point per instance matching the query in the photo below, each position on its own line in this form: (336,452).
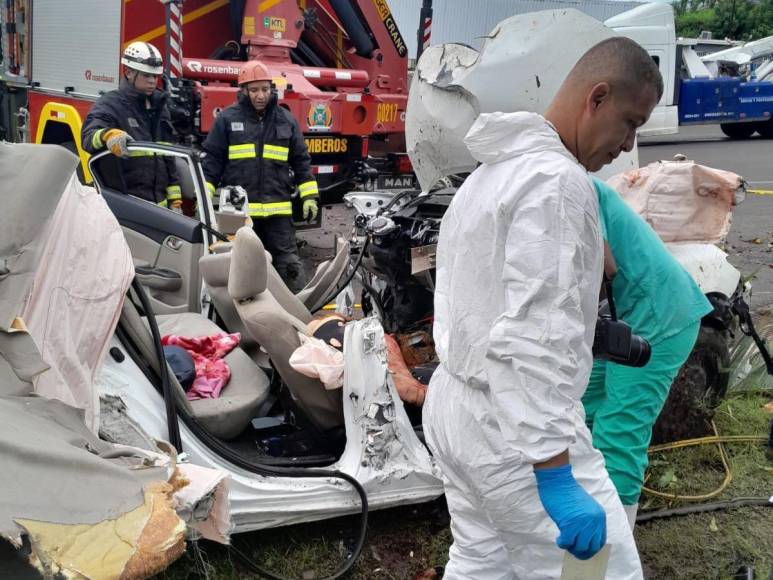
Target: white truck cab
(652,26)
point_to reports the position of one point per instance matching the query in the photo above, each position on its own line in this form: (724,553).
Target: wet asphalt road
(750,243)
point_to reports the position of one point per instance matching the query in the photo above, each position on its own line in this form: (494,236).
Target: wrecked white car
(295,450)
(78,504)
(276,447)
(286,447)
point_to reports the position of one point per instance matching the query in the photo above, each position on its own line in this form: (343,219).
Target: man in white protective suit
(519,269)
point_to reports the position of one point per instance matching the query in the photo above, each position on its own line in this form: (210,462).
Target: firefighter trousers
(278,237)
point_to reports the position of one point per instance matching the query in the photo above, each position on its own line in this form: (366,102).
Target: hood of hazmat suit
(519,267)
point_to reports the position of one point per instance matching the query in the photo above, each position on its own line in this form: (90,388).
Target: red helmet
(252,71)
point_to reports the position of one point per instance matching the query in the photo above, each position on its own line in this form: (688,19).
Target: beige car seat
(239,401)
(326,277)
(276,330)
(214,270)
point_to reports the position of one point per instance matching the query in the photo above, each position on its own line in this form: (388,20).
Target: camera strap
(607,282)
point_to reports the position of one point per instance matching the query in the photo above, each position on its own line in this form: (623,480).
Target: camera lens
(640,352)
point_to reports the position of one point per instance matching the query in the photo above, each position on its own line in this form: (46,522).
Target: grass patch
(707,546)
(698,470)
(716,544)
(405,542)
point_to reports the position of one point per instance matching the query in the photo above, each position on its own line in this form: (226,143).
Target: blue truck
(741,108)
(698,90)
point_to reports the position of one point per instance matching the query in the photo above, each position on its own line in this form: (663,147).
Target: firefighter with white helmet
(143,57)
(259,146)
(137,110)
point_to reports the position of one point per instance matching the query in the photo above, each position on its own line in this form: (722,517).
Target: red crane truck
(339,66)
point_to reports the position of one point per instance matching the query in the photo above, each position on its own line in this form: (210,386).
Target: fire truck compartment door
(76,45)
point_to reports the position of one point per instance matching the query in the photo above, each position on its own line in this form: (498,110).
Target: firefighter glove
(116,140)
(310,210)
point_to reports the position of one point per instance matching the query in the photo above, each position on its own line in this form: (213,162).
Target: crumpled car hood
(519,68)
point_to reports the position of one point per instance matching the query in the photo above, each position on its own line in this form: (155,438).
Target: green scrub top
(652,292)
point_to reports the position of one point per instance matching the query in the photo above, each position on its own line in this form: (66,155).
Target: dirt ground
(318,245)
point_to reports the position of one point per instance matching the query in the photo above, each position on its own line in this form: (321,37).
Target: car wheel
(697,390)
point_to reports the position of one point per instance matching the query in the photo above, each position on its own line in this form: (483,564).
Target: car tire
(697,390)
(738,130)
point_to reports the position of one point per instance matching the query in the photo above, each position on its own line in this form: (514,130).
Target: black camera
(614,340)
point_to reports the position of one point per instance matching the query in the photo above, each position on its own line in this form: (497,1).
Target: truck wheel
(738,130)
(697,390)
(765,129)
(70,146)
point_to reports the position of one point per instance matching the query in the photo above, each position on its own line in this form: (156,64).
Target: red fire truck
(340,67)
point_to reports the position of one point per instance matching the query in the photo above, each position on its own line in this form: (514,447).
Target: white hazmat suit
(519,267)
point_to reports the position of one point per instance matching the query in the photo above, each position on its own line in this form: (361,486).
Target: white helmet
(144,57)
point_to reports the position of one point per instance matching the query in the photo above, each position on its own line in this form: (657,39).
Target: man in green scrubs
(663,304)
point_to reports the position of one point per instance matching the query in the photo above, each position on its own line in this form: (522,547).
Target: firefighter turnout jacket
(264,153)
(143,175)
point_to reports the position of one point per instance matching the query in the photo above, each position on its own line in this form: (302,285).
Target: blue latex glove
(580,519)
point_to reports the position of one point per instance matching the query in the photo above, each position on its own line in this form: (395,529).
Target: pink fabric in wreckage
(76,298)
(212,372)
(683,201)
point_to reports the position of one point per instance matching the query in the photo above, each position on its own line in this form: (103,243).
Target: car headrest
(248,275)
(221,247)
(215,268)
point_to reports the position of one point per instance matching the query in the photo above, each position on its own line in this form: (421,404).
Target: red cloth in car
(212,372)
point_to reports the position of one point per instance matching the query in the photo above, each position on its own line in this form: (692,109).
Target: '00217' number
(386,113)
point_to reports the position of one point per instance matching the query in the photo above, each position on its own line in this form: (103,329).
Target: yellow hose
(707,440)
(719,440)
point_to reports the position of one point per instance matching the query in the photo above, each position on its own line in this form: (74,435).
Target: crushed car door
(165,244)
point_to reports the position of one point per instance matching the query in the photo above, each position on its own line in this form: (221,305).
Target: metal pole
(174,38)
(425,28)
(176,55)
(167,37)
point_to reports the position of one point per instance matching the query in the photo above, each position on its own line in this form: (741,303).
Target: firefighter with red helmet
(258,145)
(136,111)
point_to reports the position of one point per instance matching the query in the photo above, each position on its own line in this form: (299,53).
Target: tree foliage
(735,19)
